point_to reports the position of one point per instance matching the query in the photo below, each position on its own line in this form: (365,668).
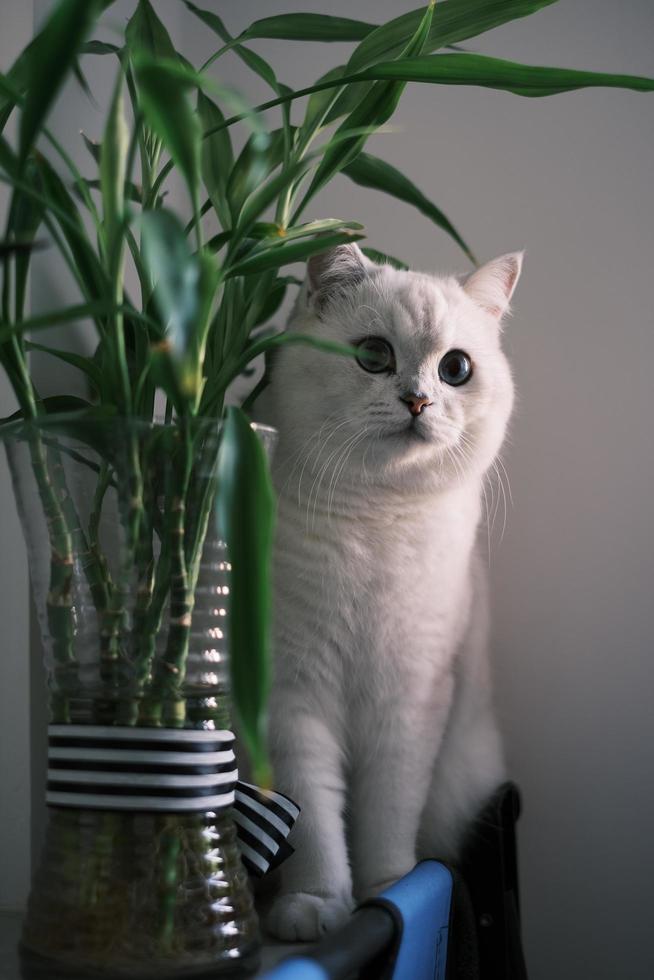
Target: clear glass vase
(141,874)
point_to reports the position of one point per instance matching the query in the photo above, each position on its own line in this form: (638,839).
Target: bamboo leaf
(531,81)
(113,164)
(453,21)
(133,191)
(51,405)
(25,217)
(85,364)
(252,167)
(92,146)
(99,47)
(369,171)
(245,516)
(217,158)
(309,27)
(13,84)
(92,277)
(273,301)
(162,88)
(254,61)
(71,314)
(255,205)
(175,276)
(279,255)
(383,258)
(145,33)
(52,55)
(373,111)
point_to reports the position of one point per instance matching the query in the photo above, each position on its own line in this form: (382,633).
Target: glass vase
(141,873)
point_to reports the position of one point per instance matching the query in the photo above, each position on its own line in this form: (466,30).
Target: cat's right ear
(492,285)
(334,272)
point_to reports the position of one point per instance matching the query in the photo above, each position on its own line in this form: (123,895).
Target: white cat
(381,719)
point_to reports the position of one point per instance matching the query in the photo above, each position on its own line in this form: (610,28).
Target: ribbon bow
(168,770)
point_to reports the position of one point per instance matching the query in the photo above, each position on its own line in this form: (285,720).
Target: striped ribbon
(167,770)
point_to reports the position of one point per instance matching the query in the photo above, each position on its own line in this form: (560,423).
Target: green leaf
(273,301)
(25,217)
(91,276)
(383,258)
(92,146)
(254,61)
(453,21)
(252,167)
(133,191)
(13,84)
(255,205)
(319,104)
(145,33)
(245,516)
(52,55)
(162,87)
(113,168)
(17,247)
(312,228)
(71,314)
(278,255)
(309,27)
(374,110)
(99,47)
(175,276)
(85,364)
(369,171)
(527,80)
(51,405)
(217,158)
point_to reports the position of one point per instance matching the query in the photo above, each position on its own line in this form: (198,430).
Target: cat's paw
(301,917)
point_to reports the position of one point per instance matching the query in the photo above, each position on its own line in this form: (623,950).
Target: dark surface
(10,927)
(484,943)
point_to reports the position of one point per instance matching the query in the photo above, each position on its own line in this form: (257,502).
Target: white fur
(380,718)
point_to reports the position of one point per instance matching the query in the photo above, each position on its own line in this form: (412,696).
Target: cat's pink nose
(415,401)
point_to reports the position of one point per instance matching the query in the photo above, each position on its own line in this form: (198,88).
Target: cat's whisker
(318,448)
(338,471)
(342,454)
(315,487)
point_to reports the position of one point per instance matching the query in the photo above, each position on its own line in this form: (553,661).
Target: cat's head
(428,398)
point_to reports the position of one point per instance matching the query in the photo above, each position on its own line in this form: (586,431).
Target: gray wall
(569,179)
(15,32)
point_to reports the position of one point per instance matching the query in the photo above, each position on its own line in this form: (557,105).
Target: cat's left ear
(492,286)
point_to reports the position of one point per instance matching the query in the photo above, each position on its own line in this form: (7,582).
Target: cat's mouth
(414,430)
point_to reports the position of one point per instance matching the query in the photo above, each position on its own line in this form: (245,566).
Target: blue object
(422,900)
(404,930)
(298,968)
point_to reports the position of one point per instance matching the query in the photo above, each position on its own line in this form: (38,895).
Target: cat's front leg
(316,888)
(390,784)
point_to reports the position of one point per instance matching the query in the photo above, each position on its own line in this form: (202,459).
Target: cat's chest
(368,584)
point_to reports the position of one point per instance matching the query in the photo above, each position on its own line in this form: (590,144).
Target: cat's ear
(334,272)
(492,286)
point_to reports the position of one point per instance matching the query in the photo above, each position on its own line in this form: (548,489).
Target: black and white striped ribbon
(167,771)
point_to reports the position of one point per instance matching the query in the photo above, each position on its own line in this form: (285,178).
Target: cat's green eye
(375,355)
(455,368)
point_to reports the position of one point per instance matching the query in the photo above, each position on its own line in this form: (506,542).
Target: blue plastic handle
(422,899)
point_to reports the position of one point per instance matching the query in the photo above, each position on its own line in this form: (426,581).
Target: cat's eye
(455,368)
(375,355)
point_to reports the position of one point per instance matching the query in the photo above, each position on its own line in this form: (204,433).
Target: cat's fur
(381,720)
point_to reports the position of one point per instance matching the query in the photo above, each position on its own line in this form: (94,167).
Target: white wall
(568,178)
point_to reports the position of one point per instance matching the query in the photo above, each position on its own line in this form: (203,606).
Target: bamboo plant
(208,285)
